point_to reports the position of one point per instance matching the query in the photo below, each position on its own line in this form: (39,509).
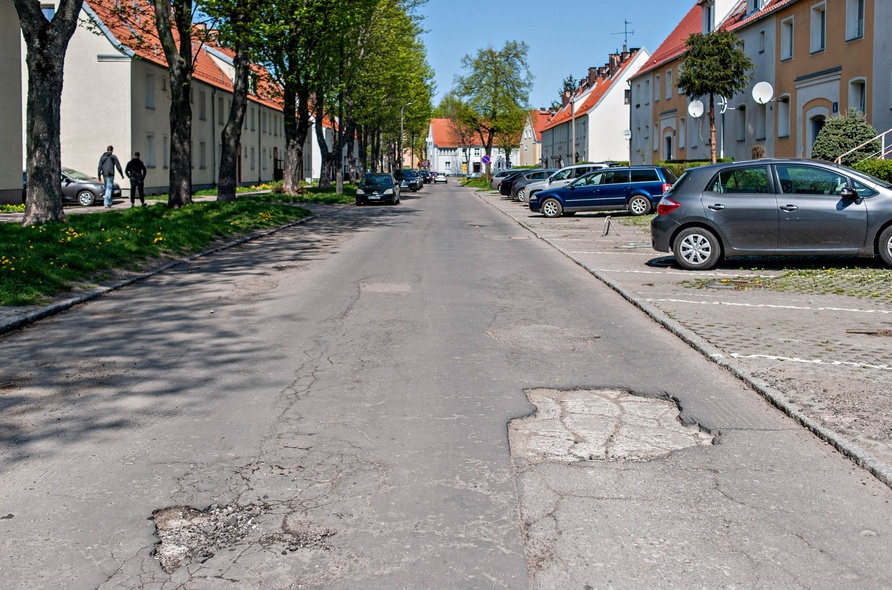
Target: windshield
(77,175)
(864,176)
(376,180)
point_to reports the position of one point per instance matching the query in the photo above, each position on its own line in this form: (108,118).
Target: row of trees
(355,65)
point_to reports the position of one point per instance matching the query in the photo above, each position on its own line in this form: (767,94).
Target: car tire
(696,248)
(885,246)
(521,195)
(551,208)
(86,198)
(639,205)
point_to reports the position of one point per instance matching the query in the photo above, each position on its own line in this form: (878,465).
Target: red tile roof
(539,119)
(740,19)
(601,86)
(135,32)
(445,136)
(674,45)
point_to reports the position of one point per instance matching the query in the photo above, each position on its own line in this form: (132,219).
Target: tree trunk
(325,172)
(230,138)
(297,125)
(179,64)
(46,44)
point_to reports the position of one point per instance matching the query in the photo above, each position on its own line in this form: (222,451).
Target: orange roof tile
(674,45)
(539,119)
(445,136)
(740,19)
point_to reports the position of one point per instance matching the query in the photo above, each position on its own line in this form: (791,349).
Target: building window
(150,91)
(476,152)
(647,92)
(657,88)
(682,130)
(761,41)
(202,155)
(220,117)
(755,5)
(708,17)
(165,152)
(858,95)
(263,159)
(741,123)
(656,142)
(761,116)
(253,122)
(668,84)
(202,106)
(818,27)
(150,151)
(786,45)
(854,19)
(448,165)
(263,121)
(783,116)
(253,163)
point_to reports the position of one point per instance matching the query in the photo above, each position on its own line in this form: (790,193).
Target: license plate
(374,197)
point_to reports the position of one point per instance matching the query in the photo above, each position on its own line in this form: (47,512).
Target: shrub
(844,133)
(882,169)
(679,166)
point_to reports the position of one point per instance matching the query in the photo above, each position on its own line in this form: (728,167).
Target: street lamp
(400,142)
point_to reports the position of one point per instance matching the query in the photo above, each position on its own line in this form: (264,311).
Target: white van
(562,177)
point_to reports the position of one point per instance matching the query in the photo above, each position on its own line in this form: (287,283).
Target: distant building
(531,137)
(454,153)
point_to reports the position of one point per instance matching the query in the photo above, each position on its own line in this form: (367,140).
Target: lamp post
(400,142)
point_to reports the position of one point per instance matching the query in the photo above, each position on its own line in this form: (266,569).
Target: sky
(564,38)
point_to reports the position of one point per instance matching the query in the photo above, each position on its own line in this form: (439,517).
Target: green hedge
(679,166)
(882,169)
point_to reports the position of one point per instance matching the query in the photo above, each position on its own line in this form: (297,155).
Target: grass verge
(40,262)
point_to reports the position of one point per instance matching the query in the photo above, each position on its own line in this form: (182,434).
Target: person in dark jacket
(107,164)
(136,172)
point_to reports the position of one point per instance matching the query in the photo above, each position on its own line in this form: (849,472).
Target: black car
(78,187)
(409,179)
(377,188)
(426,176)
(507,181)
(773,207)
(518,187)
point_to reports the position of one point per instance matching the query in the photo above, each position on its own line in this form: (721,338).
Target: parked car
(497,177)
(474,175)
(562,177)
(377,188)
(80,188)
(426,176)
(507,181)
(440,177)
(408,179)
(773,207)
(518,190)
(636,189)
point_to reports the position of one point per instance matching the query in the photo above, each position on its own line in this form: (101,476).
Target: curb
(856,454)
(26,319)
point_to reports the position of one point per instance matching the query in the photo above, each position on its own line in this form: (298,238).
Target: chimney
(592,75)
(614,62)
(565,99)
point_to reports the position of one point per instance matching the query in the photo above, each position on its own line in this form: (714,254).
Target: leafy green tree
(496,89)
(46,43)
(714,65)
(568,85)
(844,133)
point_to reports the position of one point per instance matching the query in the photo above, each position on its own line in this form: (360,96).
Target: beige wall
(11,123)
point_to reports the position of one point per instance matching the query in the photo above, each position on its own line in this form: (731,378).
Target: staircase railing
(885,147)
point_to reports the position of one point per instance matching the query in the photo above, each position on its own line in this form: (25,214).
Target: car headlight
(359,191)
(388,191)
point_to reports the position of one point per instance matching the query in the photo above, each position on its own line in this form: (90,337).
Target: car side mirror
(848,193)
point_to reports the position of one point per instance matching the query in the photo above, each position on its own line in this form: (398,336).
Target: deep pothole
(600,425)
(188,534)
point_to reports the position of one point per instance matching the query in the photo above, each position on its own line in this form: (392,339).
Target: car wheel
(639,205)
(551,208)
(696,248)
(886,246)
(521,195)
(86,198)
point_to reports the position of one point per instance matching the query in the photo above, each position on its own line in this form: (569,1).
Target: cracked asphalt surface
(329,407)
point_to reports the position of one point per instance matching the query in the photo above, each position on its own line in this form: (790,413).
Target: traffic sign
(486,159)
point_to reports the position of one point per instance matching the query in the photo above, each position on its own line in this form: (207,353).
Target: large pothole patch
(600,425)
(545,337)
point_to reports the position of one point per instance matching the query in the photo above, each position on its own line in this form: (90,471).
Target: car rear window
(645,175)
(668,175)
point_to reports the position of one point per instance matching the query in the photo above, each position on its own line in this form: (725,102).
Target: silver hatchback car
(773,207)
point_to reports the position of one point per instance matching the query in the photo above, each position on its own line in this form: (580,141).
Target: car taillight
(666,187)
(666,206)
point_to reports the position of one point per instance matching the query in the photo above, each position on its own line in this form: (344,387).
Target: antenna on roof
(626,32)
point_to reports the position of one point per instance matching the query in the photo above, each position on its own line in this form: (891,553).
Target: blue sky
(564,37)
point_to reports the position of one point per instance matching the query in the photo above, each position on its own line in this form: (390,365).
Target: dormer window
(755,5)
(708,16)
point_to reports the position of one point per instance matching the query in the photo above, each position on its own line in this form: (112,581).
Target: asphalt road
(351,402)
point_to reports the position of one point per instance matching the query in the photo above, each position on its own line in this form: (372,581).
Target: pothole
(189,534)
(545,337)
(600,425)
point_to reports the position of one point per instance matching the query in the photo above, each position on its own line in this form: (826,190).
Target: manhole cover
(600,425)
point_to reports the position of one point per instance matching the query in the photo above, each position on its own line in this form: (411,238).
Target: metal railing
(885,148)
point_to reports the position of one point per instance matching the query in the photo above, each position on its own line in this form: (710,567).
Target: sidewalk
(798,351)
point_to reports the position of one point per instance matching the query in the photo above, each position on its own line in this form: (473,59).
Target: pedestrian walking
(136,172)
(107,164)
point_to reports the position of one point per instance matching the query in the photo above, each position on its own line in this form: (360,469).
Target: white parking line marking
(768,305)
(810,361)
